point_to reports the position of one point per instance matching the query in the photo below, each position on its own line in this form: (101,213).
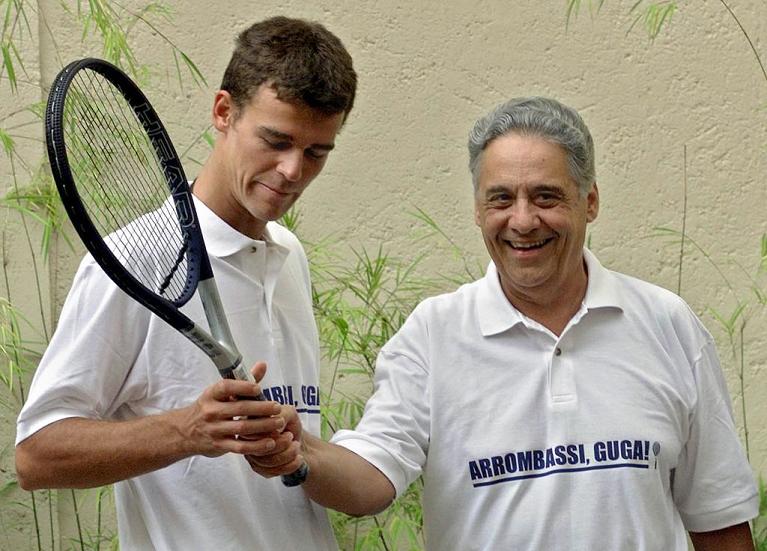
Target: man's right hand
(217,422)
(83,453)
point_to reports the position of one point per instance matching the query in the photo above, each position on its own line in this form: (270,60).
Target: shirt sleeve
(393,434)
(713,484)
(83,371)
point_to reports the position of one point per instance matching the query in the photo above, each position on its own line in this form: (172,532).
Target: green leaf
(7,142)
(8,65)
(199,78)
(763,253)
(8,487)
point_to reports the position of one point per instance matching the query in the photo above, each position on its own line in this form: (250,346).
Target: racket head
(123,186)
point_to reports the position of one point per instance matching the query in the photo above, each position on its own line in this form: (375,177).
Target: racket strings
(96,174)
(128,131)
(122,184)
(179,260)
(105,197)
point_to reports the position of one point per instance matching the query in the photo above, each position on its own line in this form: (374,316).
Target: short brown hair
(302,60)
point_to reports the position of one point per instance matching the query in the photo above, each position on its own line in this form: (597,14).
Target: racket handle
(259,398)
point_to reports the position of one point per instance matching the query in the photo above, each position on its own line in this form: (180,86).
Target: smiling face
(533,219)
(265,156)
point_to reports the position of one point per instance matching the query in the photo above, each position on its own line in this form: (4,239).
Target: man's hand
(338,478)
(218,422)
(84,453)
(280,452)
(285,457)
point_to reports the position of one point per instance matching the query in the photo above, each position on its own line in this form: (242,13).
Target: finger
(239,446)
(282,443)
(284,462)
(276,471)
(258,371)
(251,428)
(292,421)
(258,427)
(213,411)
(225,389)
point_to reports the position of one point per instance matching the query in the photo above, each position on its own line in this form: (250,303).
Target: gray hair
(542,117)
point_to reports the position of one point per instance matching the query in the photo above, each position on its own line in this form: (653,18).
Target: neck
(211,188)
(552,308)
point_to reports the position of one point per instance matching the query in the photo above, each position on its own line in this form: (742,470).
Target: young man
(120,397)
(553,404)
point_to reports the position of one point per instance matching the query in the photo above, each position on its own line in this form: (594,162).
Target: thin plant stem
(49,493)
(38,283)
(380,533)
(33,496)
(77,521)
(748,38)
(742,376)
(98,518)
(17,352)
(684,224)
(37,522)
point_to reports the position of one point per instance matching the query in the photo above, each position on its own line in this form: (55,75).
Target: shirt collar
(603,290)
(221,239)
(497,314)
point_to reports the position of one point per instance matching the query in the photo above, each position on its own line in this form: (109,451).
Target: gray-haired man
(553,404)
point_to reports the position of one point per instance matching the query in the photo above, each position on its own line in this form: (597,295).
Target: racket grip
(259,398)
(230,375)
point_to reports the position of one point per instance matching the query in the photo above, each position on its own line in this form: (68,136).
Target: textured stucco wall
(429,69)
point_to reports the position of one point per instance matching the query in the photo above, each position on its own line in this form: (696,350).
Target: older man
(553,404)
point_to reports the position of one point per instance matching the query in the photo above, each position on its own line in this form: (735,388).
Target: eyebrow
(276,134)
(551,188)
(535,188)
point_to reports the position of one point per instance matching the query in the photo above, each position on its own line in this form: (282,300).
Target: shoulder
(639,290)
(650,304)
(443,314)
(449,303)
(296,260)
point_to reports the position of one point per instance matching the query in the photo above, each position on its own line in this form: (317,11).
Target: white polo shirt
(616,435)
(110,358)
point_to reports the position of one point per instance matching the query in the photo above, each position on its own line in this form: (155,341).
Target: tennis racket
(124,189)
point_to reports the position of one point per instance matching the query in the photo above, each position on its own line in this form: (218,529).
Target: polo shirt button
(558,351)
(253,248)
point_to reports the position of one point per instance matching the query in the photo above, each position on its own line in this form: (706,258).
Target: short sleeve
(393,434)
(83,371)
(713,484)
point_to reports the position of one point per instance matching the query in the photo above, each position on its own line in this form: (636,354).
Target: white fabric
(111,359)
(617,435)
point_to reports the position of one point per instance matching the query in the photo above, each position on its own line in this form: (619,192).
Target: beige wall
(429,69)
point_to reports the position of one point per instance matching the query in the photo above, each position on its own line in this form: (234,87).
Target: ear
(477,220)
(592,205)
(224,111)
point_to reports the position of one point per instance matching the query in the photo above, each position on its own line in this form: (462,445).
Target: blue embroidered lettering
(498,465)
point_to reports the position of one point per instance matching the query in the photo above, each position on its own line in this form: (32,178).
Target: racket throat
(228,359)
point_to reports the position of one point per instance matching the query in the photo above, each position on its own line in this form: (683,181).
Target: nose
(523,217)
(291,165)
